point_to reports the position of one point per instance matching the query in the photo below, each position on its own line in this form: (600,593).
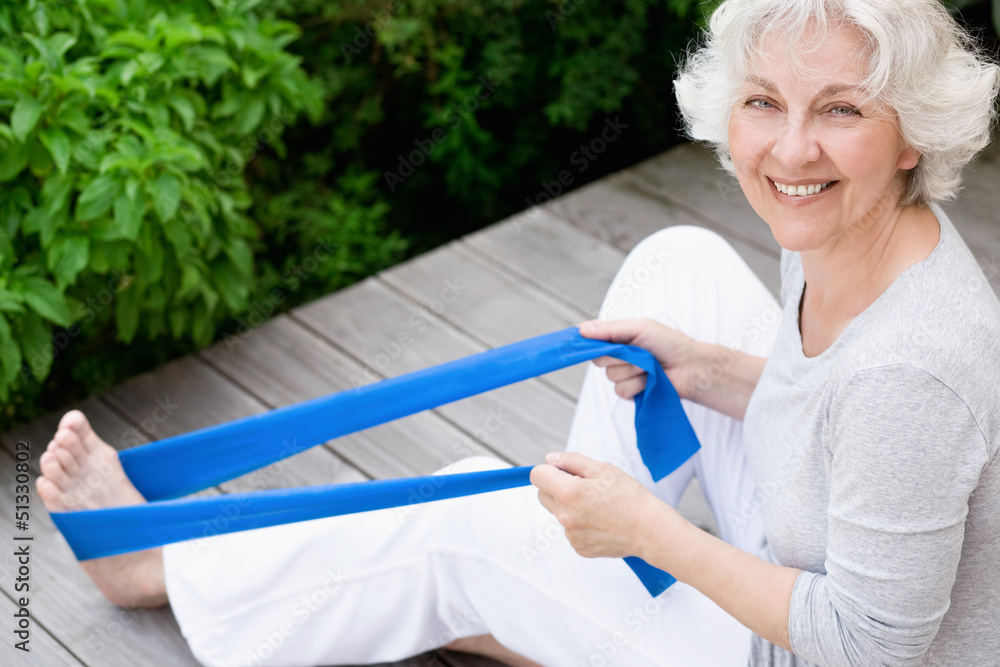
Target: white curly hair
(918,62)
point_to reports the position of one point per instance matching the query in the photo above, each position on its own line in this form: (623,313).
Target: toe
(70,449)
(52,467)
(68,462)
(50,493)
(77,422)
(74,419)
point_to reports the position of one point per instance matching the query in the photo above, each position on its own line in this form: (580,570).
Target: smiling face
(817,162)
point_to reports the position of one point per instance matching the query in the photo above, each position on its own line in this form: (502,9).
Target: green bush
(465,108)
(125,128)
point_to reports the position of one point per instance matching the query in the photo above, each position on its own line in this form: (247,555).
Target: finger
(547,501)
(624,372)
(615,331)
(630,388)
(547,477)
(574,463)
(608,362)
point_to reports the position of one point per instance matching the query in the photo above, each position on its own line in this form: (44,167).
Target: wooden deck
(520,277)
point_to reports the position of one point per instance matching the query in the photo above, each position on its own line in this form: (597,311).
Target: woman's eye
(759,104)
(844,111)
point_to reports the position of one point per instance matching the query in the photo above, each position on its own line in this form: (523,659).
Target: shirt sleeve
(905,453)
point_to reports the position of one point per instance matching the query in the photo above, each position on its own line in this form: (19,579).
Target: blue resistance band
(165,470)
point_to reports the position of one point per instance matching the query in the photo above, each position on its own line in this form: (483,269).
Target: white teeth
(801,190)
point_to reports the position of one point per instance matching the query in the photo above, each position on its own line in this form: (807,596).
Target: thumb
(574,463)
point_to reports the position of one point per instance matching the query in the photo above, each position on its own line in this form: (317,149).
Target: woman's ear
(908,158)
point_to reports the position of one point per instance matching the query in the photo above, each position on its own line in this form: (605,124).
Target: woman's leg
(384,585)
(80,471)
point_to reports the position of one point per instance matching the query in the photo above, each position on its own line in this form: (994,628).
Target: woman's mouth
(805,190)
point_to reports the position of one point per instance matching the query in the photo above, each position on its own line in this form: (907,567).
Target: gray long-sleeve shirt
(877,471)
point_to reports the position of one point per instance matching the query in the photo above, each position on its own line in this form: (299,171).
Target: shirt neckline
(854,324)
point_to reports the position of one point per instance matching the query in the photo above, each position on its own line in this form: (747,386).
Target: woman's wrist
(658,526)
(720,378)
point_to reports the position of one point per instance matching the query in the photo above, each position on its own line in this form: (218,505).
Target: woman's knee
(660,260)
(669,243)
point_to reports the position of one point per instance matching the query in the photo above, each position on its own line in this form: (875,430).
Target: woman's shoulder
(942,318)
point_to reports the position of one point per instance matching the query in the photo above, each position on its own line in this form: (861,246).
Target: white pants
(385,585)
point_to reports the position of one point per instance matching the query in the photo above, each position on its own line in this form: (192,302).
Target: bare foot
(81,471)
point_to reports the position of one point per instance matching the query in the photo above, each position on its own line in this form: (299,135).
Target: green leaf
(10,352)
(74,118)
(231,285)
(127,313)
(57,143)
(166,193)
(130,206)
(190,282)
(46,300)
(252,76)
(61,42)
(96,199)
(36,345)
(185,110)
(249,117)
(202,326)
(179,235)
(10,301)
(13,160)
(55,193)
(242,256)
(67,257)
(149,258)
(178,320)
(107,255)
(39,160)
(212,63)
(132,38)
(25,117)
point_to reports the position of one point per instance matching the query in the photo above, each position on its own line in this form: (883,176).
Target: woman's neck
(844,279)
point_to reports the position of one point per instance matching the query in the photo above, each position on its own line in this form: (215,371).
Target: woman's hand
(603,511)
(676,351)
(713,375)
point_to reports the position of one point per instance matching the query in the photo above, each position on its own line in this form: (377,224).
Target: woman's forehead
(832,61)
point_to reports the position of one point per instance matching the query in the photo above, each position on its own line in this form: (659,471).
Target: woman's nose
(796,144)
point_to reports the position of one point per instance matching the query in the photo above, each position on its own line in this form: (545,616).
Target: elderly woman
(849,435)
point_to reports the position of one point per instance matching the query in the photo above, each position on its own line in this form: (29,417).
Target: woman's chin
(797,238)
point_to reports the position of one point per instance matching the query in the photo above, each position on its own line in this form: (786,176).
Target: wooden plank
(605,209)
(107,423)
(43,649)
(64,600)
(187,394)
(281,362)
(555,255)
(619,212)
(492,306)
(689,176)
(392,335)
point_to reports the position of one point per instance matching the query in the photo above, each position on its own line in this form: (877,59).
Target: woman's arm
(753,591)
(715,376)
(589,503)
(724,378)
